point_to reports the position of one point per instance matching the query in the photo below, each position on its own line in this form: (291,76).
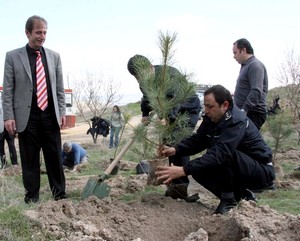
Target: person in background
(10,139)
(236,161)
(2,161)
(252,84)
(73,156)
(116,124)
(34,107)
(178,187)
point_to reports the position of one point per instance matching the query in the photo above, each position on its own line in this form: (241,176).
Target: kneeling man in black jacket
(237,159)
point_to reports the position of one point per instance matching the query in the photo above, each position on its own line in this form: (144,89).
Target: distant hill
(278,91)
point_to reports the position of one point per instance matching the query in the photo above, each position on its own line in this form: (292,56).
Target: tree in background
(94,97)
(289,75)
(280,128)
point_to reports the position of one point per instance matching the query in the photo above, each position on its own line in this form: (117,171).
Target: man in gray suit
(38,128)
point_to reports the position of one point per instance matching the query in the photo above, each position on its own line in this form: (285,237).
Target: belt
(269,164)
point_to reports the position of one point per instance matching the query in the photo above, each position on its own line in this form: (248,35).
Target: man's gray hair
(67,145)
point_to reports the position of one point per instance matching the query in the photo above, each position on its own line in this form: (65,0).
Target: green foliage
(15,226)
(11,190)
(280,128)
(166,43)
(280,125)
(283,200)
(166,88)
(14,214)
(288,167)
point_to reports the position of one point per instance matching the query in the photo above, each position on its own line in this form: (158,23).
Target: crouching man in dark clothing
(237,159)
(191,107)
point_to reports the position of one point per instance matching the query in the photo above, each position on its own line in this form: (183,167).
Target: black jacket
(191,106)
(234,132)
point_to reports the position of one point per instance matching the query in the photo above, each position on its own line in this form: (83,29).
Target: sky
(99,36)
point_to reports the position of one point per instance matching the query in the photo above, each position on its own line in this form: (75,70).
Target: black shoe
(192,199)
(56,198)
(225,206)
(246,195)
(29,200)
(177,191)
(3,162)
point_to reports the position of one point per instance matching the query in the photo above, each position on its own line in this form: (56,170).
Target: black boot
(192,199)
(3,162)
(225,206)
(227,202)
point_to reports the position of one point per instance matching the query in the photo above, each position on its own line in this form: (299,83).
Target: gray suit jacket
(17,86)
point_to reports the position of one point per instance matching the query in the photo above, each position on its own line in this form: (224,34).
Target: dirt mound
(250,222)
(156,217)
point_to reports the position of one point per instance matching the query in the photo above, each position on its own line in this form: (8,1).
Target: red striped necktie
(41,85)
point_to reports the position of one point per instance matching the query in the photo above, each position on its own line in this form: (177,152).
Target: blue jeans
(114,133)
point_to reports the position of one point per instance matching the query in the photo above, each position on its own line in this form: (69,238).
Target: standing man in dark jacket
(236,160)
(34,107)
(178,187)
(10,139)
(252,84)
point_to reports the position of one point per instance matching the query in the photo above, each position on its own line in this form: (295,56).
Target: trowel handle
(118,157)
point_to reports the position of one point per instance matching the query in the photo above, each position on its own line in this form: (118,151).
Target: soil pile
(156,217)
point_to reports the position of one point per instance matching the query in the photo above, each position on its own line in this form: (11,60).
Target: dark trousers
(236,175)
(42,133)
(68,161)
(11,147)
(257,118)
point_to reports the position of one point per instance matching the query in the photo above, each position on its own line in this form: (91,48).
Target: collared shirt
(32,55)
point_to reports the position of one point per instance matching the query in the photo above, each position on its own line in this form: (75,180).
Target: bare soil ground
(155,217)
